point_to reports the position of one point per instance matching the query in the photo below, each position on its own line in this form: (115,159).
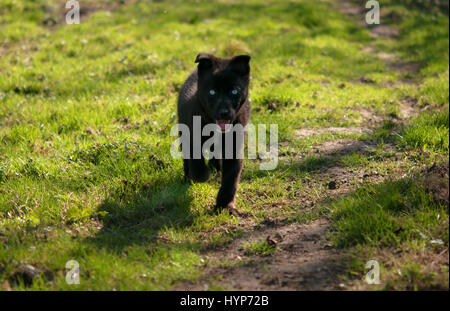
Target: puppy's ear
(241,64)
(205,61)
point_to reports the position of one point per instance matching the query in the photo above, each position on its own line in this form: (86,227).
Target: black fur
(195,99)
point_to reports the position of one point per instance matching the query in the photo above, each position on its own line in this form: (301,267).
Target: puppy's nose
(223,114)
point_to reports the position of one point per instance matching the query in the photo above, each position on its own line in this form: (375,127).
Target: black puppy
(217,92)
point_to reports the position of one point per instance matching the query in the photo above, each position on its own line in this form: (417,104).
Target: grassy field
(86,172)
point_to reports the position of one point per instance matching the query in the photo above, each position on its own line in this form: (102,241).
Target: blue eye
(234,92)
(212,92)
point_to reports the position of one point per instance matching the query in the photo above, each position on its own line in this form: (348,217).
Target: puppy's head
(223,85)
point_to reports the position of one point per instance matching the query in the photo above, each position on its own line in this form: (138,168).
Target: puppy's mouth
(222,124)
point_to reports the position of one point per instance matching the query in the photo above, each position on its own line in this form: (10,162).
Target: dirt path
(304,259)
(408,106)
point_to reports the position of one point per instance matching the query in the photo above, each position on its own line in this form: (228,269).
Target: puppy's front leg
(231,172)
(198,171)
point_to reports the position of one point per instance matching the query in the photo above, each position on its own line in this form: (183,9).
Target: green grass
(402,216)
(428,131)
(86,112)
(259,248)
(388,214)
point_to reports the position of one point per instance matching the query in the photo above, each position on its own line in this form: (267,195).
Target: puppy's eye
(234,92)
(212,92)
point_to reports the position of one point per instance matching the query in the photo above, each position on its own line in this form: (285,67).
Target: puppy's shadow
(136,216)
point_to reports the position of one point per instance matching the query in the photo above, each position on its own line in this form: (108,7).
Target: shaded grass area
(389,214)
(86,111)
(402,226)
(404,216)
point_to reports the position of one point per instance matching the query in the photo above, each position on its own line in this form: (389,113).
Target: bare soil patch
(409,108)
(342,146)
(383,31)
(302,261)
(332,130)
(435,180)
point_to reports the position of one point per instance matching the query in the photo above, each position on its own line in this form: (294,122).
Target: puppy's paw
(229,208)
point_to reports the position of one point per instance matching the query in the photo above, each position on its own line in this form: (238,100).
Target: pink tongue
(222,124)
